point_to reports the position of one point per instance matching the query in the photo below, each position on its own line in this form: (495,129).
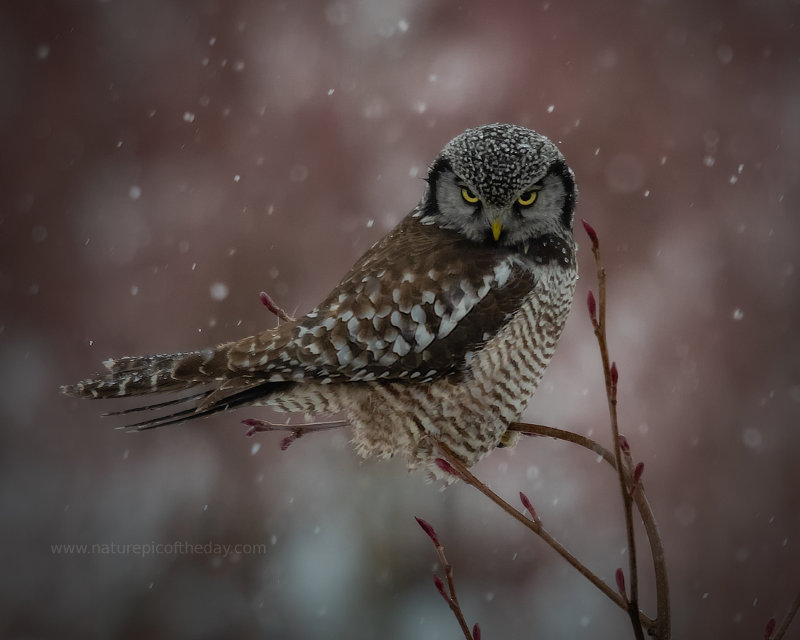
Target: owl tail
(135,376)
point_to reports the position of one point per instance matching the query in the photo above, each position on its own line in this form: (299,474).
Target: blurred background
(164,161)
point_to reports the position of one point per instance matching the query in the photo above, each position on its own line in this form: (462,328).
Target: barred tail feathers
(139,375)
(224,383)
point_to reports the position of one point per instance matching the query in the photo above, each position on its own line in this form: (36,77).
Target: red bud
(592,308)
(255,426)
(637,473)
(769,629)
(527,504)
(476,632)
(614,374)
(428,529)
(623,444)
(440,586)
(637,476)
(268,302)
(288,440)
(592,234)
(620,577)
(445,466)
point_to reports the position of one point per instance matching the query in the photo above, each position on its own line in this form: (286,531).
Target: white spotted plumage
(440,333)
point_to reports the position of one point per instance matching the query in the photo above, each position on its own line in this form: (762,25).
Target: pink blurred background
(163,162)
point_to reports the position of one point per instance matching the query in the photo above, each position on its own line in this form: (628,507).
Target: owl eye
(527,198)
(468,196)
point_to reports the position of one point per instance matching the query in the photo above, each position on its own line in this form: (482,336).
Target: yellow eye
(468,196)
(527,198)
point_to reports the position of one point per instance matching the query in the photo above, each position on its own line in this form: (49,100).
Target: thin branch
(611,377)
(788,619)
(451,598)
(455,607)
(661,625)
(296,431)
(535,526)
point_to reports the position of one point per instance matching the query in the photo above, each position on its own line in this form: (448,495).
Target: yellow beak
(497,227)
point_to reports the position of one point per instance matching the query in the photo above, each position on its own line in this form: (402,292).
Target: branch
(453,465)
(296,431)
(660,627)
(611,377)
(787,620)
(450,598)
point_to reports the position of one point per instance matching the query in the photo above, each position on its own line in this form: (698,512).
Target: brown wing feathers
(403,312)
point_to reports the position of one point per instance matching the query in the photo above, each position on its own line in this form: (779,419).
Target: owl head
(500,184)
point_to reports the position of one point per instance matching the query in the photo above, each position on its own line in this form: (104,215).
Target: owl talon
(508,439)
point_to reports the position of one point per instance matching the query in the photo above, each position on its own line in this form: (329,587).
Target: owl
(439,333)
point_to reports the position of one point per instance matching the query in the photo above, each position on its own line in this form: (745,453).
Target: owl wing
(412,308)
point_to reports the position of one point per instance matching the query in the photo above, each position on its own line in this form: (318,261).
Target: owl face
(500,184)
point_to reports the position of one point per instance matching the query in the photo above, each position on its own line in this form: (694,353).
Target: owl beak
(497,227)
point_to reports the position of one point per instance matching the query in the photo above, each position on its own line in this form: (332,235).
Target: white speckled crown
(501,159)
